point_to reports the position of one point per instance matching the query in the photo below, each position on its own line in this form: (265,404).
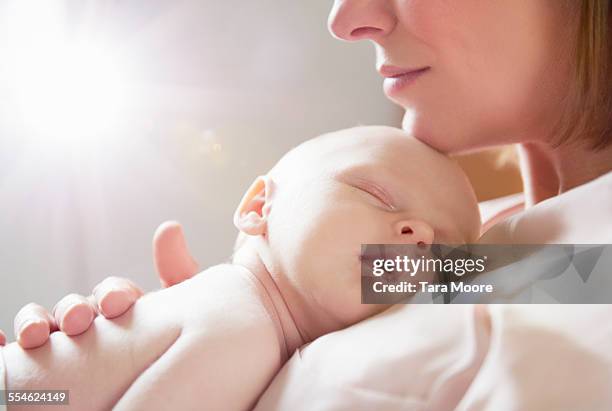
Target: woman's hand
(74,313)
(112,297)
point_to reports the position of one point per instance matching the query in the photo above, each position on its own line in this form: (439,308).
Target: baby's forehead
(366,148)
(373,138)
(388,158)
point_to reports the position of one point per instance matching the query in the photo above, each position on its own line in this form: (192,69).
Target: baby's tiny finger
(74,314)
(33,324)
(115,296)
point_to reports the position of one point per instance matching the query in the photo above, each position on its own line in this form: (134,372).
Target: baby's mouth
(380,261)
(369,254)
(370,251)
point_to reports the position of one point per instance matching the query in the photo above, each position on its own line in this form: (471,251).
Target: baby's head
(308,217)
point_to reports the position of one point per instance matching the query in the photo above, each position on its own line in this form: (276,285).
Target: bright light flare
(68,87)
(81,91)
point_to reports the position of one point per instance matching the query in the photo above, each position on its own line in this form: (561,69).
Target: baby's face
(364,185)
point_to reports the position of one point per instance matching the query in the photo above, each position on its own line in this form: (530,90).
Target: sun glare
(79,93)
(67,86)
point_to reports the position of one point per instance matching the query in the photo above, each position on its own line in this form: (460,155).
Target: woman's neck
(548,171)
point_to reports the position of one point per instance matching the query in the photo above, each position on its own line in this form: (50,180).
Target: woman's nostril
(407,230)
(362,32)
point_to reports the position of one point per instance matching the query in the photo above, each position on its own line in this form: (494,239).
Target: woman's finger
(173,261)
(114,296)
(33,324)
(74,314)
(2,338)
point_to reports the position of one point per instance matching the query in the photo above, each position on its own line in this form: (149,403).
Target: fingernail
(74,323)
(36,331)
(26,324)
(110,302)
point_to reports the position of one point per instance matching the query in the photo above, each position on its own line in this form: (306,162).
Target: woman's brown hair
(588,108)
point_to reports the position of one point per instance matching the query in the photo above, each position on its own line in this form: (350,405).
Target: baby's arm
(221,362)
(202,330)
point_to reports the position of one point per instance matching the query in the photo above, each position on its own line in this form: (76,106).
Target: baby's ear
(251,216)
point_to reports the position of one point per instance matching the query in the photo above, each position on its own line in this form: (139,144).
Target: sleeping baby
(215,341)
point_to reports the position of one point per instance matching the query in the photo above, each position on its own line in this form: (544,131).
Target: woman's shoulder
(497,209)
(578,216)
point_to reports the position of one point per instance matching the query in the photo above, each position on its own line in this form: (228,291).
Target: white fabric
(420,357)
(546,357)
(445,357)
(497,206)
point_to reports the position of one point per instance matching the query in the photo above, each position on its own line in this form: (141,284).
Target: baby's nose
(414,232)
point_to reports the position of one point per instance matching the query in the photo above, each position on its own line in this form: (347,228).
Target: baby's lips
(367,266)
(384,252)
(368,256)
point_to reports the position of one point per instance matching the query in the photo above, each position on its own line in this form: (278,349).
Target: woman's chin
(417,129)
(445,142)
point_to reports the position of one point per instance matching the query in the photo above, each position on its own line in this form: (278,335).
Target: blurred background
(118,115)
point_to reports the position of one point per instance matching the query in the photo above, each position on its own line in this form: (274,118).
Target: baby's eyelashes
(377,192)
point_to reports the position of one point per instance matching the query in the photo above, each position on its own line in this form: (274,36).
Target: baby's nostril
(407,230)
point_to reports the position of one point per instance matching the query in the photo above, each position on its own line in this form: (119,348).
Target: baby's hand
(114,296)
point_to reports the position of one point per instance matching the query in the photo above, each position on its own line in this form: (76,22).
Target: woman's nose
(353,20)
(414,232)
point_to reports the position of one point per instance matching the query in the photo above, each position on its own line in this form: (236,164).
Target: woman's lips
(396,80)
